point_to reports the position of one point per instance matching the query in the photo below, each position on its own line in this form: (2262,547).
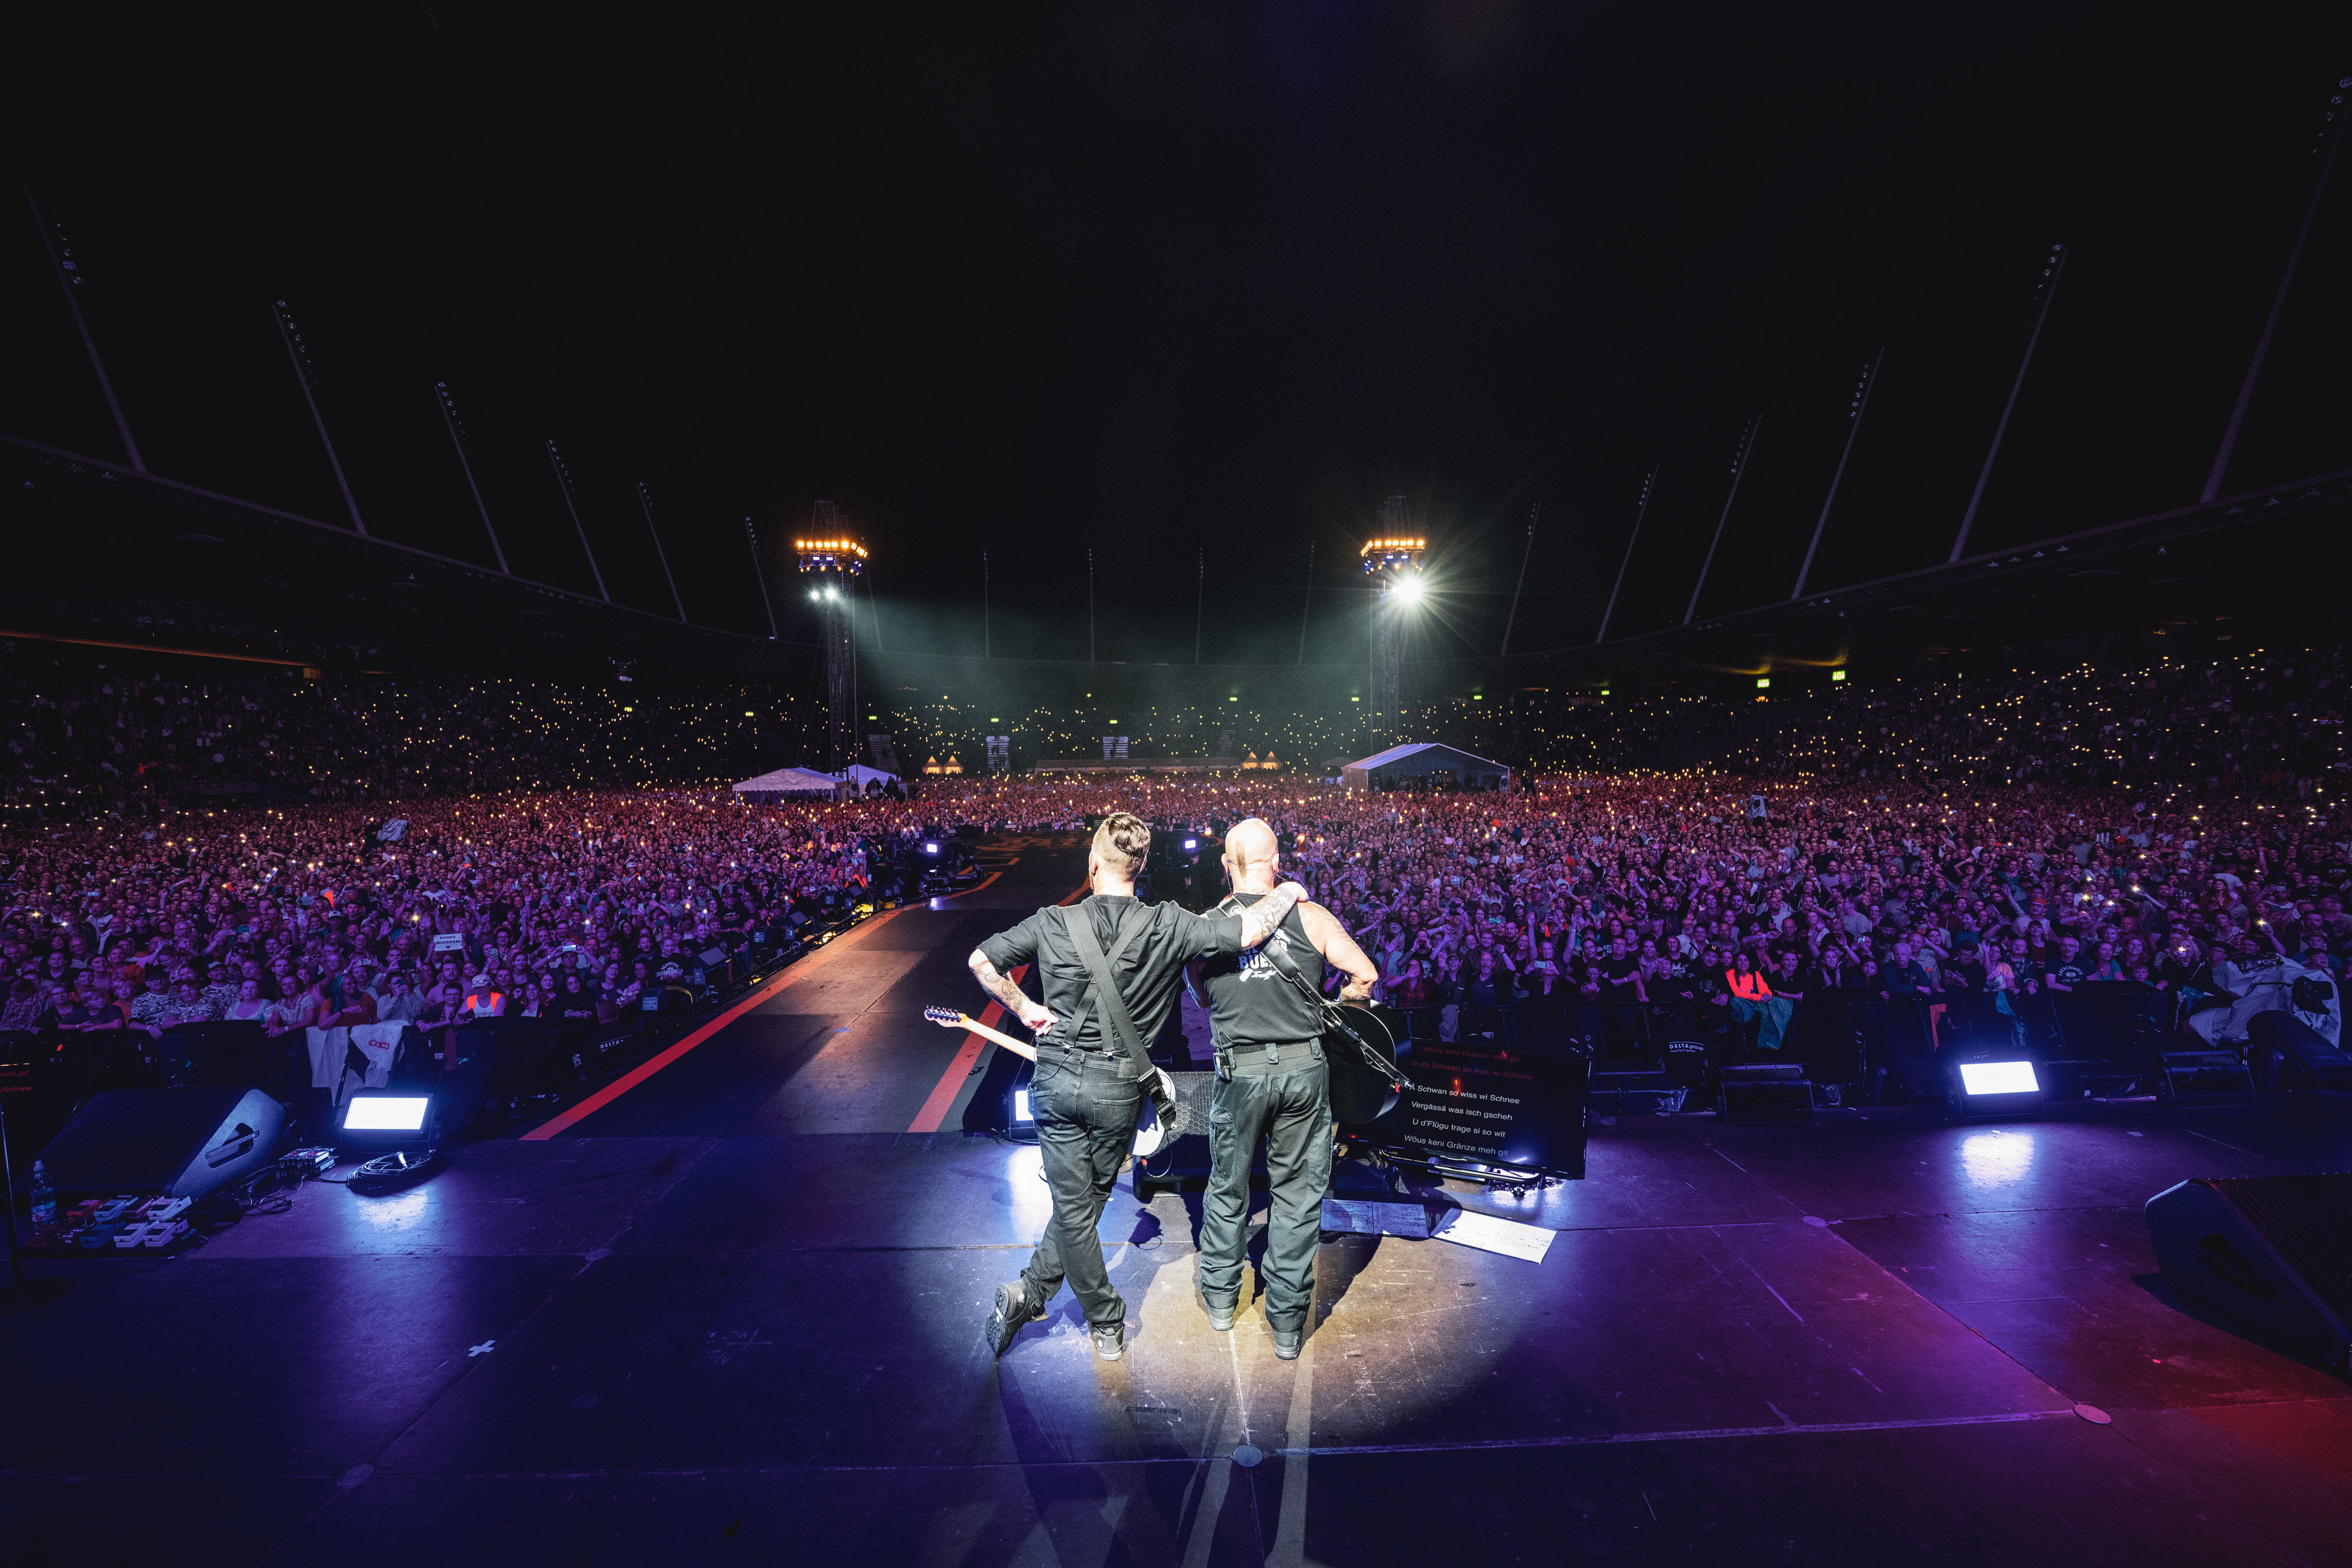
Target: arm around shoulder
(1340,950)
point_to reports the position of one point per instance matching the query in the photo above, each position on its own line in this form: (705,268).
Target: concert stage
(733,1314)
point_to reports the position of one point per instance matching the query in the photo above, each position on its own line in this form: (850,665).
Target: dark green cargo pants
(1287,1100)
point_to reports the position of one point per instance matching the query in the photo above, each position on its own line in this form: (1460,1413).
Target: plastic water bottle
(44,1196)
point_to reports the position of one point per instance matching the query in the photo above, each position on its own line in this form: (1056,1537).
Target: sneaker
(1286,1345)
(1220,1318)
(1013,1309)
(1110,1340)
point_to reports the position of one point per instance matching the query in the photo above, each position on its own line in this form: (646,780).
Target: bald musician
(1271,1083)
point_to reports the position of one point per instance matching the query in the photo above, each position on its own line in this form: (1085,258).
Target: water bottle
(44,1196)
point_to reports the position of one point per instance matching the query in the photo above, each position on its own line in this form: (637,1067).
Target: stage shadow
(2214,1318)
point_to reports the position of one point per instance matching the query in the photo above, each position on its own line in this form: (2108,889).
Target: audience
(2005,839)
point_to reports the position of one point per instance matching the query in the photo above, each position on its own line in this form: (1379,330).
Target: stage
(733,1314)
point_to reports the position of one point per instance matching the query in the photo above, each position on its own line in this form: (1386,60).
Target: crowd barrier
(489,1071)
(2101,1038)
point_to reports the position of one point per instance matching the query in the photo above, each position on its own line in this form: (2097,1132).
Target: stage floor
(733,1315)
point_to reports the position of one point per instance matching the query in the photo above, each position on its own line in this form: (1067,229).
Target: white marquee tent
(790,784)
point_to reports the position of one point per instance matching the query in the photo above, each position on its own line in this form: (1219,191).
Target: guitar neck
(1018,1047)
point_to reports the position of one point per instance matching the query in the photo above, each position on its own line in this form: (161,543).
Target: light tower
(1392,565)
(832,560)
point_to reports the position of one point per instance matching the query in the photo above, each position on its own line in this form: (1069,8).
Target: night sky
(1161,278)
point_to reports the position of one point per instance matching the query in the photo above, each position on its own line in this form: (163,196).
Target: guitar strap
(1111,1016)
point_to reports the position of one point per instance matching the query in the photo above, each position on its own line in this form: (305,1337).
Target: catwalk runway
(732,1315)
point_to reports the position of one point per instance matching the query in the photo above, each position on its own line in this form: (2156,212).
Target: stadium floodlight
(1410,588)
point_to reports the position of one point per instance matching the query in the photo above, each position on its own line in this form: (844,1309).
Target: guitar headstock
(945,1018)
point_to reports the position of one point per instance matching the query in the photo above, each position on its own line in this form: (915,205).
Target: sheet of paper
(1488,1234)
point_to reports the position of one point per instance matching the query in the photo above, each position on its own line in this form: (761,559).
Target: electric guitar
(1153,1126)
(947,1018)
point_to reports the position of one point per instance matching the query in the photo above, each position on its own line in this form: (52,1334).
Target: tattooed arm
(1017,1002)
(1259,919)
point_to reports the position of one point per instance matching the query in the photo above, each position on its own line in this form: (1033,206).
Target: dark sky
(1160,278)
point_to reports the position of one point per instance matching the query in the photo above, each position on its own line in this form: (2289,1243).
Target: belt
(1229,1056)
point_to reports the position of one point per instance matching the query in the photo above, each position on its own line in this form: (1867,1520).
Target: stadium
(645,813)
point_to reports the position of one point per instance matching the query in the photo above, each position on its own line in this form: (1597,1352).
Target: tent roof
(857,773)
(1399,753)
(796,779)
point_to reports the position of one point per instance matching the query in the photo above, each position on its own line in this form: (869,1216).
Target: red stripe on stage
(575,1114)
(950,1083)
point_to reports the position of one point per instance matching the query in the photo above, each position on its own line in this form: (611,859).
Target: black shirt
(1146,973)
(1250,1002)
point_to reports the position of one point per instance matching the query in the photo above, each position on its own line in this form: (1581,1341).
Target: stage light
(930,849)
(1998,1078)
(386,1114)
(1020,1114)
(1409,590)
(1837,674)
(1996,1086)
(1762,682)
(400,1129)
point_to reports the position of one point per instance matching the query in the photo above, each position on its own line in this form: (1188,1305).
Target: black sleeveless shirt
(1250,1003)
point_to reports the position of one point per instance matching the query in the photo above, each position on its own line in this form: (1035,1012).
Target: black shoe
(1286,1345)
(1220,1318)
(1013,1309)
(1110,1340)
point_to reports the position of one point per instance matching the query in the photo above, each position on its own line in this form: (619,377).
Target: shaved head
(1251,856)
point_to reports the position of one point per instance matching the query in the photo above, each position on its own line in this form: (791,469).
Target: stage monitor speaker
(173,1142)
(2294,1055)
(1184,1157)
(1765,1094)
(2271,1251)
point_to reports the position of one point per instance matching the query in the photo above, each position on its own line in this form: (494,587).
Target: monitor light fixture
(1998,1078)
(386,1114)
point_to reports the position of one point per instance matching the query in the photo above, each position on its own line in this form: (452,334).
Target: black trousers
(1289,1103)
(1085,1108)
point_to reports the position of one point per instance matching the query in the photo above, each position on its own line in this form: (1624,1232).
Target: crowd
(1866,874)
(1647,888)
(566,904)
(88,731)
